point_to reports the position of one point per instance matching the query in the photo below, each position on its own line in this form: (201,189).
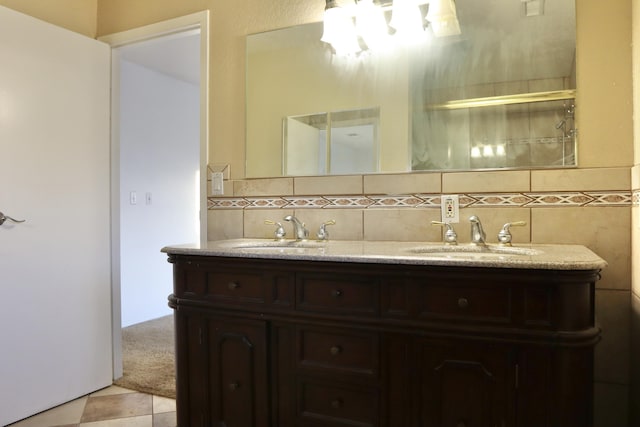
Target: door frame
(195,21)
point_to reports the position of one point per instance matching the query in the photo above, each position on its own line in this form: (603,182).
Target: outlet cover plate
(450,209)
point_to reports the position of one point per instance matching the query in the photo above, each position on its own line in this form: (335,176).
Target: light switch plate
(217,183)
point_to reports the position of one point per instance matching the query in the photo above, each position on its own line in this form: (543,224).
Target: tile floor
(111,407)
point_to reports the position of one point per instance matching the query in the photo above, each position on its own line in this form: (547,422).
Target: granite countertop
(524,256)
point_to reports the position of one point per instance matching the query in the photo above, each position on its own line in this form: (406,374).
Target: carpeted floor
(148,357)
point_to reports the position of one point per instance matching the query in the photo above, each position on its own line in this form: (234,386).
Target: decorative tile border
(519,200)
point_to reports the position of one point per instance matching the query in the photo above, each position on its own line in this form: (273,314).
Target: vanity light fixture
(487,151)
(339,30)
(371,24)
(406,19)
(443,18)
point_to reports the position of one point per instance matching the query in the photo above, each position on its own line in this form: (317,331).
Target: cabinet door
(237,360)
(464,385)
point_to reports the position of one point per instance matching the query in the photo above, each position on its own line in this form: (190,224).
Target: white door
(55,305)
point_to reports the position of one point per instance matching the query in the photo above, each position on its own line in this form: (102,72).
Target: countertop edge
(555,257)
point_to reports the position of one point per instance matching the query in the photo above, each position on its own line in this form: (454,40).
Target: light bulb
(371,24)
(339,30)
(407,18)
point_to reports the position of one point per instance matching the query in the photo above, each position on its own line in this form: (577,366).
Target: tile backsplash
(578,204)
(538,199)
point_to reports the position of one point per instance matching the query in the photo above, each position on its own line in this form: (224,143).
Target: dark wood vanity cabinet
(292,343)
(222,371)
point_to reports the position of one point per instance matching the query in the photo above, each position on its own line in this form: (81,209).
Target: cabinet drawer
(237,287)
(343,352)
(330,404)
(473,302)
(338,294)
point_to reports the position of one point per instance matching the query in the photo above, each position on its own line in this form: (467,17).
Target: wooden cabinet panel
(337,293)
(238,373)
(331,403)
(240,287)
(278,343)
(468,302)
(338,350)
(464,384)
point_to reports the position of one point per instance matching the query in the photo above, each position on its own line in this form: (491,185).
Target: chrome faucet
(323,234)
(478,235)
(279,232)
(504,236)
(450,236)
(299,229)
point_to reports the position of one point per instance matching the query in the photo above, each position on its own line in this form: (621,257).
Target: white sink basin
(474,252)
(274,245)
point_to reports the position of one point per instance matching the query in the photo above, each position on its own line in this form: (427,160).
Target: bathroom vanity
(383,334)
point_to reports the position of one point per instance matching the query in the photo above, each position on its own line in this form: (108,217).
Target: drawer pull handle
(234,386)
(233,286)
(335,350)
(336,403)
(336,293)
(463,302)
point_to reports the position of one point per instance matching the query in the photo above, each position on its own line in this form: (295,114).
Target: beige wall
(76,15)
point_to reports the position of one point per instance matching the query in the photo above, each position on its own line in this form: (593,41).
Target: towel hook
(4,217)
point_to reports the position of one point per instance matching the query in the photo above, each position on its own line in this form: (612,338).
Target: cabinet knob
(335,350)
(463,302)
(234,386)
(336,403)
(233,286)
(461,424)
(336,293)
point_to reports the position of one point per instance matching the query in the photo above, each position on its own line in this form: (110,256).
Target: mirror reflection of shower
(567,123)
(331,143)
(568,132)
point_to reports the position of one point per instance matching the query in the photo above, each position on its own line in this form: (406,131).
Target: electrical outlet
(450,208)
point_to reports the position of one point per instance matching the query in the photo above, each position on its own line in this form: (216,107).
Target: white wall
(159,154)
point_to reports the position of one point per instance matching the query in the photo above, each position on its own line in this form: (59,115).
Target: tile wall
(591,207)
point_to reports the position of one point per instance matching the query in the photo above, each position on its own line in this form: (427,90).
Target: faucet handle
(323,234)
(504,236)
(280,232)
(450,236)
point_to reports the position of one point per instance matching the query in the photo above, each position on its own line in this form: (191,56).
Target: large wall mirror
(499,95)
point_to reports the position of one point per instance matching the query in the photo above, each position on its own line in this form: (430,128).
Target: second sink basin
(473,251)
